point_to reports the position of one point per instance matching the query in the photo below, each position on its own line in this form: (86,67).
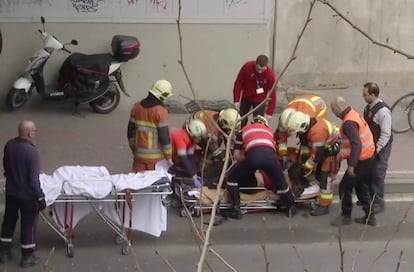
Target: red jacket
(248,80)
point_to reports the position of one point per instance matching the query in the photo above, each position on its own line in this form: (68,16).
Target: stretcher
(124,202)
(252,199)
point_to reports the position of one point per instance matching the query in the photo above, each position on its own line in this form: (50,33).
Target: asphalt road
(65,139)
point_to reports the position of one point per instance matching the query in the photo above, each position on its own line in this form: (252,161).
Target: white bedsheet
(149,214)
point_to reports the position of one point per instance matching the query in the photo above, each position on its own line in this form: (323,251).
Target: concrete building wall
(330,53)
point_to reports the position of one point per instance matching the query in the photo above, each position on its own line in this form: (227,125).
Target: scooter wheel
(16,98)
(107,102)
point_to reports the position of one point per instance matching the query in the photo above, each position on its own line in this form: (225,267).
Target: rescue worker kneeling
(184,141)
(309,104)
(321,140)
(225,119)
(256,142)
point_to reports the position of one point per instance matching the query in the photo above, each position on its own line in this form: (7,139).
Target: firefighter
(255,150)
(323,142)
(310,104)
(225,119)
(358,150)
(148,134)
(184,141)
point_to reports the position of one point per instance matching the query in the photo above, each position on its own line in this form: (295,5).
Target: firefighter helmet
(161,89)
(299,122)
(285,117)
(196,129)
(260,119)
(229,118)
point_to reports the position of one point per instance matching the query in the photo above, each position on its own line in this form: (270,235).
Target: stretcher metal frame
(123,201)
(193,205)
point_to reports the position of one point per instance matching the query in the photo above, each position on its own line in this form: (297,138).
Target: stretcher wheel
(119,239)
(126,249)
(70,252)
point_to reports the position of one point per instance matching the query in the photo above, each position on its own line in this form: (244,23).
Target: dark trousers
(28,221)
(378,177)
(246,106)
(259,158)
(360,182)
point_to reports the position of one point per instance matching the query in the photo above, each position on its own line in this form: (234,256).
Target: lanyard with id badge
(259,84)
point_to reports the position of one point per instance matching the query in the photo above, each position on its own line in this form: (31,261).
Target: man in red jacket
(254,81)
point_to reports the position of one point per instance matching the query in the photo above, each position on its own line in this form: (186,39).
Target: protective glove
(41,203)
(237,104)
(285,162)
(197,181)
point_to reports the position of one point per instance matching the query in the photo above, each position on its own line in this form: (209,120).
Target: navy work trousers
(360,182)
(259,158)
(29,214)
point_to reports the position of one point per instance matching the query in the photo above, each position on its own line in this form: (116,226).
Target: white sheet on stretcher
(149,215)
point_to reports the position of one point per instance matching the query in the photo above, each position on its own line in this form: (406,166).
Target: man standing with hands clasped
(21,163)
(254,81)
(378,116)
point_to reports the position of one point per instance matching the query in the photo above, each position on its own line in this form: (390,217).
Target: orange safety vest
(365,135)
(257,134)
(310,104)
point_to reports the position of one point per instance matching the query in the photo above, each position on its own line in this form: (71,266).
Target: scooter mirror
(74,42)
(42,19)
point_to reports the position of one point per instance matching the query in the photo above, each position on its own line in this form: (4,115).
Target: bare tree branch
(399,261)
(165,261)
(395,50)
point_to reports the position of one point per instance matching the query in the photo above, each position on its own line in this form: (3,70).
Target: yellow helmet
(196,129)
(229,118)
(260,119)
(285,117)
(161,89)
(298,122)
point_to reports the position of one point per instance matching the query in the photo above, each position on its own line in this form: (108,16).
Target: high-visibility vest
(257,134)
(147,121)
(365,135)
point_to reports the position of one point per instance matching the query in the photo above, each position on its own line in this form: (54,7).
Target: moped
(82,78)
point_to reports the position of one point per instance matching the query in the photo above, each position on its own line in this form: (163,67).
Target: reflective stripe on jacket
(365,135)
(322,134)
(312,105)
(257,134)
(147,122)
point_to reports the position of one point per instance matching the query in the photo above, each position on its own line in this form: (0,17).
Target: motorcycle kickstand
(76,110)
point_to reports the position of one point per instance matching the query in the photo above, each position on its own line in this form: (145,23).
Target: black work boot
(367,220)
(5,253)
(319,211)
(342,220)
(233,212)
(28,258)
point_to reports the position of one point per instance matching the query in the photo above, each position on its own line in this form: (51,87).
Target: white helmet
(285,117)
(196,129)
(260,119)
(161,89)
(227,119)
(298,122)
